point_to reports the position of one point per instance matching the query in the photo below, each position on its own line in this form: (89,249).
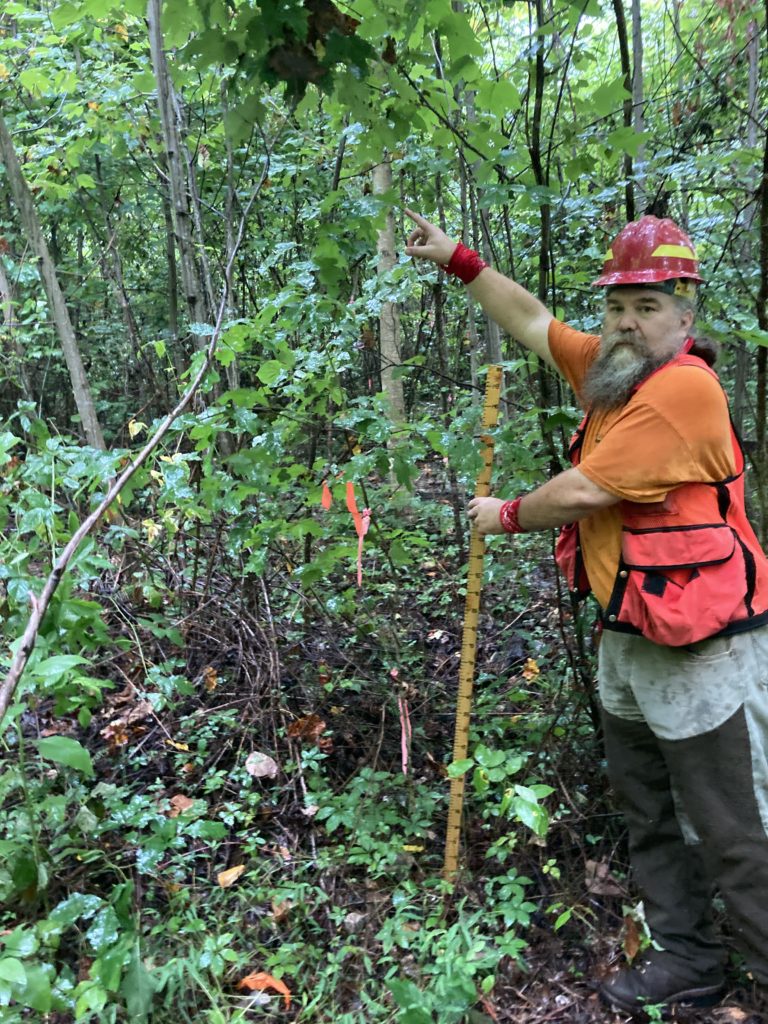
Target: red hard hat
(649,250)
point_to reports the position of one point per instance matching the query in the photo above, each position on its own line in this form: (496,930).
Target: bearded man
(653,518)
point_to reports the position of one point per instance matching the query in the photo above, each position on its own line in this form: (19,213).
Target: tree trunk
(178,357)
(447,396)
(761,456)
(681,91)
(194,292)
(743,354)
(638,115)
(6,299)
(466,228)
(626,68)
(232,369)
(546,396)
(480,238)
(389,317)
(25,205)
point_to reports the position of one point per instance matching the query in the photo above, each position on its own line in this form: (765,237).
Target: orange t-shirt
(674,430)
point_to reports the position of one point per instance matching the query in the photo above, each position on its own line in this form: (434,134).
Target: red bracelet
(509,515)
(465,264)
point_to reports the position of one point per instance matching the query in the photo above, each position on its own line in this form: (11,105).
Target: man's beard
(623,361)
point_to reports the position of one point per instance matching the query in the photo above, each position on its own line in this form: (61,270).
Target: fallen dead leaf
(489,1008)
(179,804)
(308,728)
(260,980)
(115,734)
(261,766)
(440,768)
(531,669)
(230,876)
(353,921)
(210,678)
(281,910)
(599,880)
(731,1015)
(631,940)
(177,746)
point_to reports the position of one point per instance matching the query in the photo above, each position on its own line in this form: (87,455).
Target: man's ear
(686,319)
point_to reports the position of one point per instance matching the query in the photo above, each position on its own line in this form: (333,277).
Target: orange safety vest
(691,566)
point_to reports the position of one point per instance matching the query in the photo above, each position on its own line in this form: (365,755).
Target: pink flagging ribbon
(365,522)
(405,731)
(362,522)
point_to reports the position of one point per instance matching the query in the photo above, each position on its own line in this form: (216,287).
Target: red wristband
(508,514)
(465,264)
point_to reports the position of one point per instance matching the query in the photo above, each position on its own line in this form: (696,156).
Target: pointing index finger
(416,218)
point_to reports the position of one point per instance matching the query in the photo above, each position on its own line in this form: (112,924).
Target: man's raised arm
(510,305)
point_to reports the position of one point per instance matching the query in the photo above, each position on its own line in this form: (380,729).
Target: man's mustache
(610,341)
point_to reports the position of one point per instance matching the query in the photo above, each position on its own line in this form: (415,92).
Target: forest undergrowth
(208,818)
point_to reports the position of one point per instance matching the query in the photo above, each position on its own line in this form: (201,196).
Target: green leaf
(628,140)
(34,81)
(37,990)
(21,942)
(563,919)
(64,750)
(529,811)
(269,372)
(609,97)
(62,15)
(405,993)
(458,768)
(488,758)
(498,98)
(138,987)
(7,441)
(70,910)
(51,670)
(13,970)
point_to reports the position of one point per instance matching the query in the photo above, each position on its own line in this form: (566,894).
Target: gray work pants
(686,732)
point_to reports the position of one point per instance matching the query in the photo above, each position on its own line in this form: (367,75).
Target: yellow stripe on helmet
(675,251)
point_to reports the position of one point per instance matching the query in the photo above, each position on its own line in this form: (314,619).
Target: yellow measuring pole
(469,635)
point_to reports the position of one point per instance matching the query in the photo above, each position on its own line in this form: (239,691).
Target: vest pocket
(679,585)
(569,560)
